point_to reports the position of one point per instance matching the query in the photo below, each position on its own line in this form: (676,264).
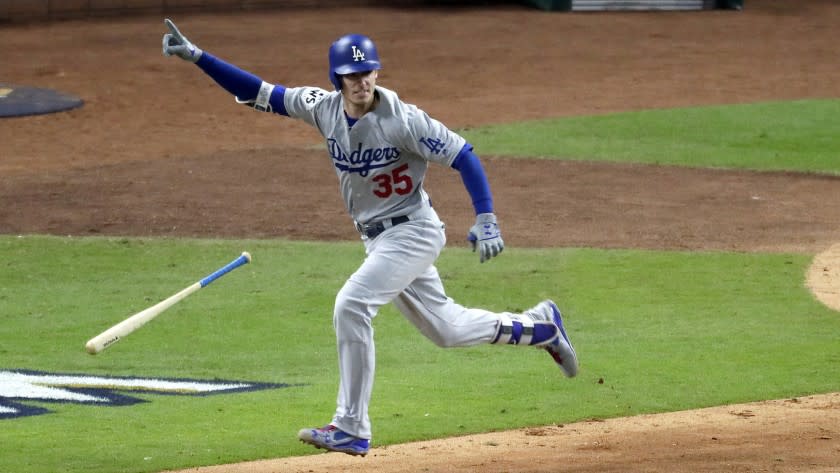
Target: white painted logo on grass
(19,386)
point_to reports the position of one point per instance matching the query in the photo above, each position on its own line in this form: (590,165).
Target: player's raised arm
(247,88)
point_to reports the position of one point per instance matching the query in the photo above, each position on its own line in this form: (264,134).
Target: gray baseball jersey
(381,162)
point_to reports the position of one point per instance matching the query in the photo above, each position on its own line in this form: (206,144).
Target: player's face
(358,87)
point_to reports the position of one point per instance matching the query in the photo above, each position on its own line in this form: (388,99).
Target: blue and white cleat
(560,348)
(334,439)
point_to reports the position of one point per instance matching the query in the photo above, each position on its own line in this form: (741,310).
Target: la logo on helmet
(358,54)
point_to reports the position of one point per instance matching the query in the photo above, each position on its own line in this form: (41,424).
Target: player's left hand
(176,44)
(486,237)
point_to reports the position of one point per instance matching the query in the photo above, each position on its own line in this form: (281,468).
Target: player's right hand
(176,44)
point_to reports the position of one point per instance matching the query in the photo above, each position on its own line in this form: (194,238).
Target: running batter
(380,148)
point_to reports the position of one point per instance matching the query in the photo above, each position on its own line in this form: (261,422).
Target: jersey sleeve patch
(434,145)
(313,105)
(431,139)
(310,96)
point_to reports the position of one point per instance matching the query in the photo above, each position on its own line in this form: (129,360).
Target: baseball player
(380,148)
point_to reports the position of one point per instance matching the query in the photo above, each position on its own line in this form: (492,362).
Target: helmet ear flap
(352,53)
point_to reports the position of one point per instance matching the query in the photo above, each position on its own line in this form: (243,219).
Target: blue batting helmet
(352,53)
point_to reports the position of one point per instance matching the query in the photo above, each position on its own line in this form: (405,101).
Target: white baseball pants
(399,267)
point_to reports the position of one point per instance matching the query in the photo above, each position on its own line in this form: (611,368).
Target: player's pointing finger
(173,28)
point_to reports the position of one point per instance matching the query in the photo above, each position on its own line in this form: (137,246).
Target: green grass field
(656,331)
(774,136)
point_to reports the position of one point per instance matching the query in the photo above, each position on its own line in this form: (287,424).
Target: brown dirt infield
(159,150)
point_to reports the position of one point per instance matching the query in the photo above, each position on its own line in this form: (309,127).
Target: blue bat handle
(243,259)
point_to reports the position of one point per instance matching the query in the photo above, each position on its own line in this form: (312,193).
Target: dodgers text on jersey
(361,161)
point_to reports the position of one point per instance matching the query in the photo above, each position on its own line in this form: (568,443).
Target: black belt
(373,229)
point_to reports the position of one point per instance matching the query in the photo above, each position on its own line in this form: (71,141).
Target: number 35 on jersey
(397,181)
